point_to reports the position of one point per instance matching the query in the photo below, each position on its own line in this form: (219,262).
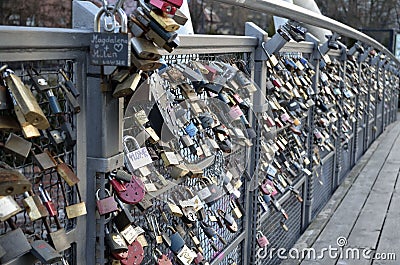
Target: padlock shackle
(109,9)
(127,138)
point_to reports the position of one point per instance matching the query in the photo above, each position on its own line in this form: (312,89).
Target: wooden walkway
(363,215)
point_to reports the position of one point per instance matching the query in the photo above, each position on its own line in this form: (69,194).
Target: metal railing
(99,125)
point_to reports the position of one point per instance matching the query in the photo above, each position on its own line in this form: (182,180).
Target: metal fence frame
(99,124)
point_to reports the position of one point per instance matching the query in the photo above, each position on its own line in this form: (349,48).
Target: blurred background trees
(375,17)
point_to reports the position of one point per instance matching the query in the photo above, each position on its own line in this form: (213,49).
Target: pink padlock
(262,240)
(199,257)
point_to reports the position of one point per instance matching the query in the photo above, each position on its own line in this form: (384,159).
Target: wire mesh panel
(205,128)
(45,149)
(359,144)
(323,185)
(278,237)
(346,165)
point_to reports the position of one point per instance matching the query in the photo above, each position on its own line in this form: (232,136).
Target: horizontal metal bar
(227,250)
(284,197)
(16,55)
(37,37)
(105,165)
(291,11)
(202,44)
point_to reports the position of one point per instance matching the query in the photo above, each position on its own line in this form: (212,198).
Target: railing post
(104,138)
(259,106)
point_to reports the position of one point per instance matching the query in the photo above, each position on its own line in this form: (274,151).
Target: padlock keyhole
(11,190)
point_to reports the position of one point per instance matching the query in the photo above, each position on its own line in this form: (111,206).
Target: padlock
(55,137)
(106,205)
(73,102)
(26,101)
(179,171)
(117,244)
(131,192)
(268,187)
(169,158)
(124,217)
(131,233)
(168,6)
(145,49)
(262,240)
(69,133)
(216,192)
(167,23)
(229,221)
(10,124)
(202,191)
(76,209)
(186,255)
(135,156)
(187,206)
(58,238)
(12,181)
(235,209)
(180,18)
(65,171)
(44,159)
(18,146)
(160,258)
(68,84)
(8,207)
(174,240)
(41,85)
(144,204)
(135,254)
(34,206)
(211,233)
(14,243)
(44,252)
(145,65)
(195,240)
(153,223)
(128,86)
(5,99)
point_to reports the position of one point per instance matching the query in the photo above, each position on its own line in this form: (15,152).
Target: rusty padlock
(12,181)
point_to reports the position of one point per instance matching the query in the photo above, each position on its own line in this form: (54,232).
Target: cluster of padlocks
(38,183)
(202,162)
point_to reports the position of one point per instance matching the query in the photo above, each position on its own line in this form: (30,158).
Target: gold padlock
(145,65)
(34,206)
(78,209)
(28,130)
(175,210)
(179,171)
(128,86)
(25,100)
(166,23)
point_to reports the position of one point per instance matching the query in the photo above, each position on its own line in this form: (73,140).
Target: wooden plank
(389,239)
(368,227)
(346,215)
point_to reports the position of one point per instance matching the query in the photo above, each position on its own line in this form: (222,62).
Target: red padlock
(168,7)
(161,259)
(106,205)
(262,240)
(268,188)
